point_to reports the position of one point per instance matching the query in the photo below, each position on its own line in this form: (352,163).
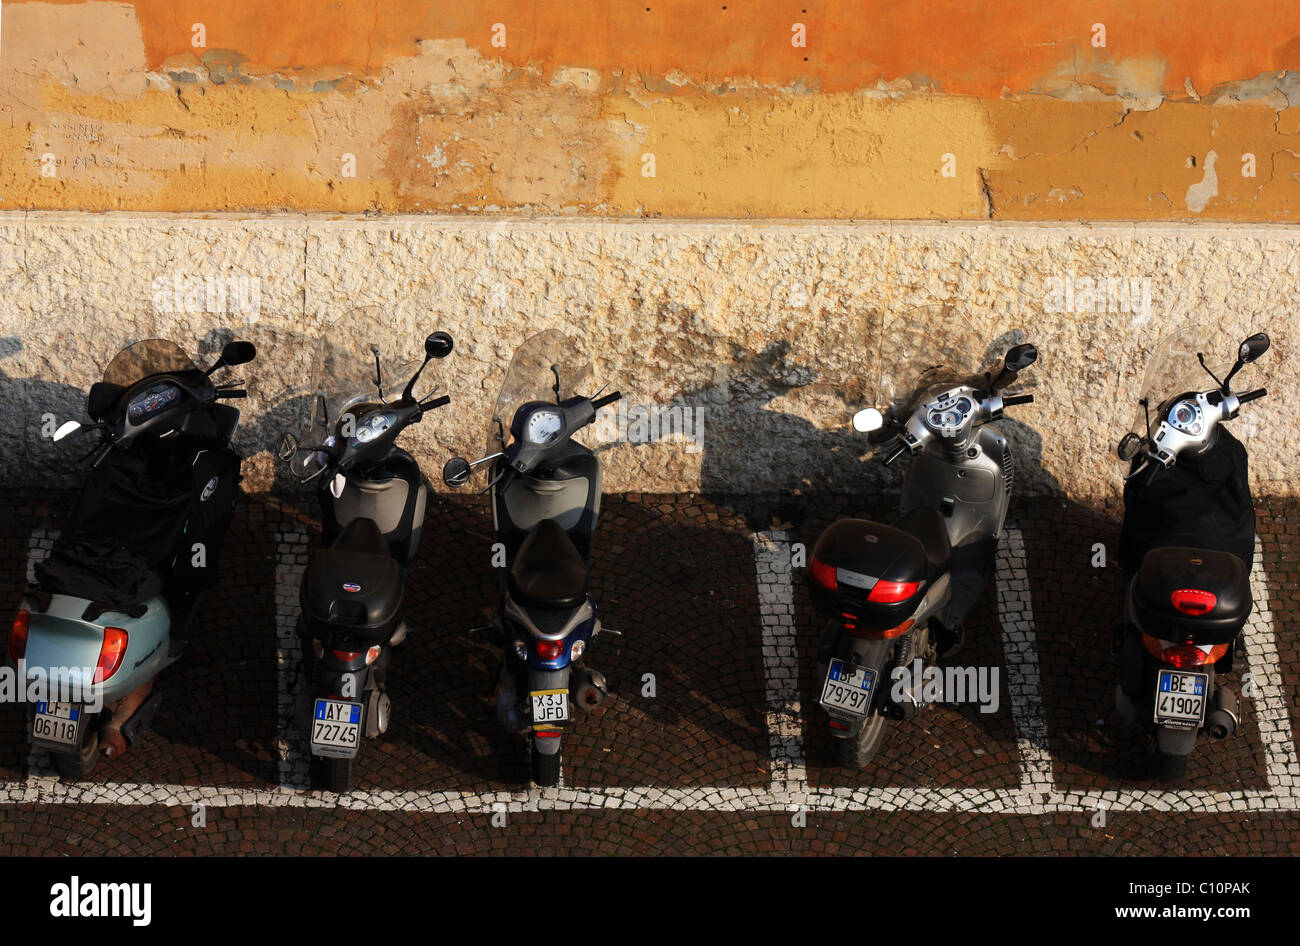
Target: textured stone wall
(779,331)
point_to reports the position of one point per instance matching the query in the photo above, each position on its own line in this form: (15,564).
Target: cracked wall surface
(932,109)
(778,331)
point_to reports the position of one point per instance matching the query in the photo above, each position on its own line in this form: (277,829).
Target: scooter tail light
(823,574)
(892,592)
(888,633)
(373,654)
(546,734)
(346,656)
(111,653)
(18,635)
(1194,601)
(1181,656)
(549,650)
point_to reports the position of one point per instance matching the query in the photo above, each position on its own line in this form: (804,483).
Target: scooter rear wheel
(1170,769)
(78,765)
(545,768)
(857,753)
(332,775)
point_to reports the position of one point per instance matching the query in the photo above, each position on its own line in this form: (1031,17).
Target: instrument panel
(152,401)
(950,413)
(1187,417)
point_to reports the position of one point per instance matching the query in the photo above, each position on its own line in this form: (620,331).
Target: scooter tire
(545,768)
(78,765)
(1169,769)
(332,775)
(858,753)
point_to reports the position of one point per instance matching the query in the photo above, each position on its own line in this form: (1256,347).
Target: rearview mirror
(238,353)
(867,420)
(456,472)
(1020,357)
(65,429)
(287,448)
(1129,445)
(1252,348)
(100,399)
(438,345)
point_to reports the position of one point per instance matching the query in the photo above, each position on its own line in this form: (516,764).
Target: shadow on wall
(37,398)
(742,431)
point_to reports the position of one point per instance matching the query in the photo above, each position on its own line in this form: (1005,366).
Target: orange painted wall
(1039,123)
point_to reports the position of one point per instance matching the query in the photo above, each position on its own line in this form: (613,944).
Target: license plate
(1180,698)
(848,691)
(550,706)
(336,729)
(57,723)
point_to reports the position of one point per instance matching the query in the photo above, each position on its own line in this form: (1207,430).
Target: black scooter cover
(1203,502)
(125,531)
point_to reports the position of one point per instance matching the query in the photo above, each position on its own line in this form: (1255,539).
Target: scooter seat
(548,570)
(354,585)
(926,524)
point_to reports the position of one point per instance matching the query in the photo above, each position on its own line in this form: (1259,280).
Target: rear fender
(875,655)
(59,637)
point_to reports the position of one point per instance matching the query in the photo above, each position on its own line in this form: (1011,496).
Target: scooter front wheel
(80,763)
(857,752)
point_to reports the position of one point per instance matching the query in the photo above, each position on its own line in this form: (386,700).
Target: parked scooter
(546,492)
(901,592)
(1186,549)
(114,600)
(372,499)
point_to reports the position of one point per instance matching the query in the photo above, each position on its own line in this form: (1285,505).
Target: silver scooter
(896,593)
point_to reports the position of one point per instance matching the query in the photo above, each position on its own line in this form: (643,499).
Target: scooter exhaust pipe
(590,689)
(1224,716)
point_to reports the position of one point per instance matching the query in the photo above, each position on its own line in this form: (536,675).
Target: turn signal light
(888,633)
(111,653)
(18,635)
(1194,601)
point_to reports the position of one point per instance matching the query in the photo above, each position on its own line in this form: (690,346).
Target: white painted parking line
(1036,795)
(39,545)
(1020,652)
(780,660)
(291,556)
(1271,713)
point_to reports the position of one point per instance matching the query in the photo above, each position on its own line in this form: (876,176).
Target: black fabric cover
(1202,503)
(129,522)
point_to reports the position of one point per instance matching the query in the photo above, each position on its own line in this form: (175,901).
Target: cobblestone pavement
(730,754)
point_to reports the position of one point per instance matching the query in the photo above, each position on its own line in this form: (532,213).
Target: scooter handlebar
(896,453)
(1251,395)
(1011,400)
(607,399)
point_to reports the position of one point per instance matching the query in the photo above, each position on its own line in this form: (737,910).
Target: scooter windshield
(1174,369)
(344,383)
(146,358)
(932,349)
(543,362)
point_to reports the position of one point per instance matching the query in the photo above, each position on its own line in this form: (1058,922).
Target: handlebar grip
(1011,400)
(895,454)
(1251,395)
(607,399)
(102,455)
(240,393)
(435,402)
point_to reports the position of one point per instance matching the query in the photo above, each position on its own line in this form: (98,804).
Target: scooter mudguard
(59,637)
(549,682)
(873,655)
